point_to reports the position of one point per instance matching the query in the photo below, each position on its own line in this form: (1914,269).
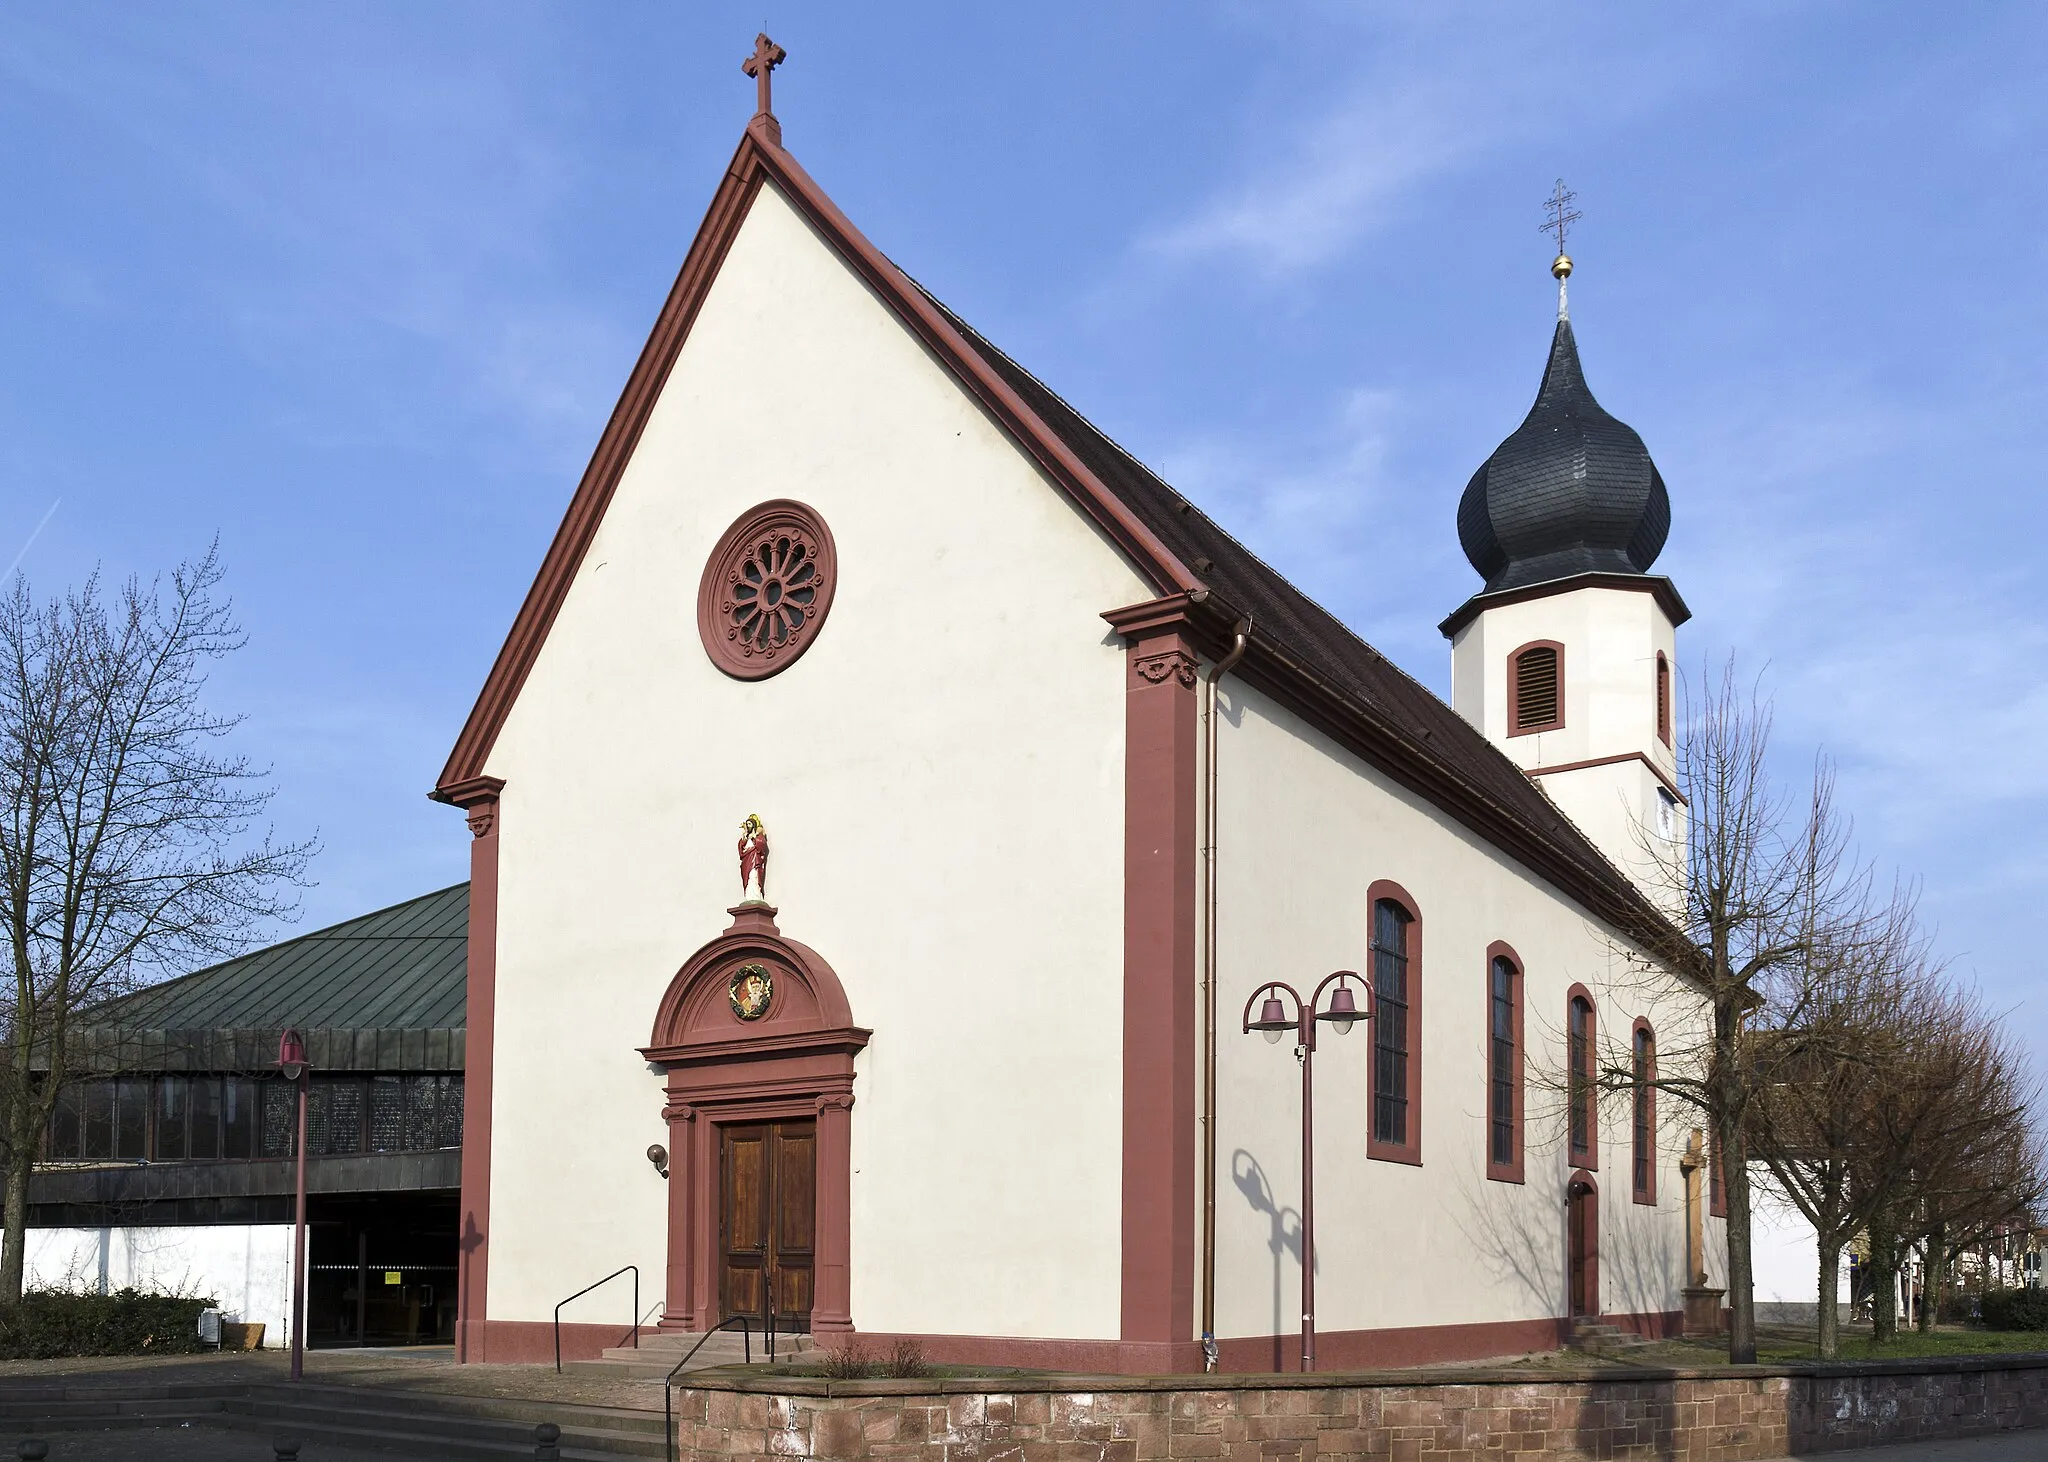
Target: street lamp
(1274,1022)
(293,1065)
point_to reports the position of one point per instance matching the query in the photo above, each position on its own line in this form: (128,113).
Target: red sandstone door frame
(796,1061)
(1582,1247)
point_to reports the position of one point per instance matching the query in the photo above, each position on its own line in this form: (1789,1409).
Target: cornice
(1656,585)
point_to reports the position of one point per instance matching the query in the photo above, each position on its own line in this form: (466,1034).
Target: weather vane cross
(767,56)
(1559,213)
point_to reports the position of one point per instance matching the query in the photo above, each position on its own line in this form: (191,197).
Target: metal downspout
(1220,669)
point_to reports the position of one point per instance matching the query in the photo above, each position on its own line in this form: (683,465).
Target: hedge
(2015,1309)
(48,1324)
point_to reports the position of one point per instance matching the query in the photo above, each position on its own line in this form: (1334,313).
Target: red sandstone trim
(1410,1151)
(1159,1179)
(1507,1172)
(1663,692)
(714,626)
(479,798)
(1336,1350)
(1592,1200)
(1590,1158)
(1656,771)
(795,1061)
(1514,706)
(532,1342)
(760,159)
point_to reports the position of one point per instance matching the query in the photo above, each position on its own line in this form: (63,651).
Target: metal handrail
(635,1270)
(668,1429)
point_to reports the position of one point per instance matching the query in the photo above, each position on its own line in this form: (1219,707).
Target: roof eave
(1656,585)
(761,158)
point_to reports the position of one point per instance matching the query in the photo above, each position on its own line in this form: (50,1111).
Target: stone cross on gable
(767,56)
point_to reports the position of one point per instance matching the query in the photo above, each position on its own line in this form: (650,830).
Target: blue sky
(355,286)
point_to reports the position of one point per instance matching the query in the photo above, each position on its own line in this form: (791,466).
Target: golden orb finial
(1561,267)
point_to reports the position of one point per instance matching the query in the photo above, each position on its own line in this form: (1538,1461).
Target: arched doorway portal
(1582,1237)
(757,1043)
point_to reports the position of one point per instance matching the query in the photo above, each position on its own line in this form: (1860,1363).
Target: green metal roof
(385,991)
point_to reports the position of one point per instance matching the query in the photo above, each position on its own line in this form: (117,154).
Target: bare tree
(126,842)
(1760,875)
(1956,1158)
(1831,1038)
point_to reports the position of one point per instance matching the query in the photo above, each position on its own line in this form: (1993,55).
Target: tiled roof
(1433,743)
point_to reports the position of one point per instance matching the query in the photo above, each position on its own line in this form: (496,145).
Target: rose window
(766,589)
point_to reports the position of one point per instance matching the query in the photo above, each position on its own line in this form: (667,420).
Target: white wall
(1612,638)
(942,778)
(1784,1259)
(1304,830)
(246,1268)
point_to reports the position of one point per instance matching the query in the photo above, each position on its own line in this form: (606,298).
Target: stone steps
(657,1354)
(1599,1338)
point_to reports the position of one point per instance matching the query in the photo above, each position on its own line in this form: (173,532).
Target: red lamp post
(1273,1022)
(293,1065)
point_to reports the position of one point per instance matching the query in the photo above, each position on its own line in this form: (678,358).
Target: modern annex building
(170,1161)
(1057,775)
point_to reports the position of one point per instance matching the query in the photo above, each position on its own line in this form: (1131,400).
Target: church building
(892,805)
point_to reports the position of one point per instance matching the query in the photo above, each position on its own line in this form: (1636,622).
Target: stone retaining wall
(1721,1415)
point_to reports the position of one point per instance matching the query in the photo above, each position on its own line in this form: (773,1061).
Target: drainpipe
(1221,668)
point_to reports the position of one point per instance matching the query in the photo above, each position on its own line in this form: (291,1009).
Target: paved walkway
(2011,1447)
(196,1443)
(419,1368)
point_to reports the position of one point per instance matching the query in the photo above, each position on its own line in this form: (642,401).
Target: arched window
(1663,699)
(1503,1065)
(1582,1113)
(1396,1128)
(1643,1127)
(1536,688)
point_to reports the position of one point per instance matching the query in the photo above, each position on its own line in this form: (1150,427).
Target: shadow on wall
(1525,1245)
(1283,1231)
(1520,1244)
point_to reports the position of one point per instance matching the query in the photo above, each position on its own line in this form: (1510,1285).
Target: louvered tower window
(1536,688)
(1663,699)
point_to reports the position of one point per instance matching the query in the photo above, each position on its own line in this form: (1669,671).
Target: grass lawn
(1779,1343)
(1856,1344)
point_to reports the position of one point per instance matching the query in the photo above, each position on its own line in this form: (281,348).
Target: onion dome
(1573,491)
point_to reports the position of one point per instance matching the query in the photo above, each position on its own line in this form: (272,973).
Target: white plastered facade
(1304,831)
(942,775)
(1611,639)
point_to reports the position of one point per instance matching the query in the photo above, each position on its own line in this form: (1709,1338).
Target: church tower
(1565,660)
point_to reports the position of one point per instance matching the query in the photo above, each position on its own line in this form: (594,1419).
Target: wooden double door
(768,1221)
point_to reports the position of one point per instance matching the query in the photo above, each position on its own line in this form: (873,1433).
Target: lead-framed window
(1504,994)
(1394,1129)
(1582,1105)
(1643,1113)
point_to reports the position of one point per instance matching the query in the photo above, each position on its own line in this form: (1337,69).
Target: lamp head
(1343,1012)
(1272,1022)
(291,1055)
